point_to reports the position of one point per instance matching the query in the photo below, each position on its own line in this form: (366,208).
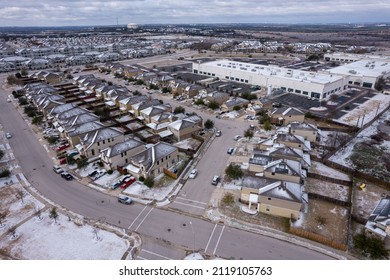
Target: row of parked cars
(124,182)
(63,173)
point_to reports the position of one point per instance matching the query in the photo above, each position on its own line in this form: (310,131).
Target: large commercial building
(310,84)
(363,73)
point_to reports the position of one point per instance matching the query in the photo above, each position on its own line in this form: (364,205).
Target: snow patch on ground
(368,110)
(107,180)
(64,240)
(322,169)
(138,189)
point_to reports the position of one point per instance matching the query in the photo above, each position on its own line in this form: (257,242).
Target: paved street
(166,234)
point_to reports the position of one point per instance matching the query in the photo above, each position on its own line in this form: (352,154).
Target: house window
(93,152)
(162,160)
(126,160)
(158,162)
(108,140)
(269,198)
(104,142)
(273,173)
(98,143)
(267,208)
(121,154)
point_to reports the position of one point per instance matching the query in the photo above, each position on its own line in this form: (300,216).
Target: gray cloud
(102,12)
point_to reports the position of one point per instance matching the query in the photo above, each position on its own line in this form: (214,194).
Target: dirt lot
(326,219)
(328,189)
(364,201)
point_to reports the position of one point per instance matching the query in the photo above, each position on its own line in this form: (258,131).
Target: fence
(170,173)
(329,199)
(318,238)
(329,179)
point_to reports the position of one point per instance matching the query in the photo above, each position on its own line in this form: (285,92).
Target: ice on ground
(64,240)
(322,169)
(194,256)
(107,180)
(138,189)
(366,112)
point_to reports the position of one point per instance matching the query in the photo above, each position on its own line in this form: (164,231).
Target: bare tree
(54,214)
(3,215)
(12,230)
(38,213)
(20,194)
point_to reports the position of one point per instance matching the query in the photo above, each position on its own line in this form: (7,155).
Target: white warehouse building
(310,84)
(363,73)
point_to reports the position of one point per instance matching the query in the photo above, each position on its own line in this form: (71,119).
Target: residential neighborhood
(197,142)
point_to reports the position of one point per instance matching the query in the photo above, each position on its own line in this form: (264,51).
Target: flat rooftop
(368,68)
(263,70)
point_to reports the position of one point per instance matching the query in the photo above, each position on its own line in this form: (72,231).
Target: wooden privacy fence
(318,238)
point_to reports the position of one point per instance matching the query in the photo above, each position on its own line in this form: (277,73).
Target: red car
(127,181)
(63,161)
(63,147)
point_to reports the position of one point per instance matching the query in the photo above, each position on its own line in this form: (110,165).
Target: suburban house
(286,170)
(293,141)
(218,97)
(274,197)
(286,115)
(120,153)
(148,113)
(127,103)
(191,90)
(307,131)
(252,110)
(137,108)
(183,129)
(234,102)
(93,142)
(379,221)
(153,160)
(75,133)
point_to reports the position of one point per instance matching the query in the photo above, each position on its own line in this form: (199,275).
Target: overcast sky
(103,12)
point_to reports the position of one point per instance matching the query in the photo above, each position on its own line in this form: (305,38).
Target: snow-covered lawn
(322,169)
(107,180)
(64,240)
(16,209)
(139,190)
(342,155)
(368,109)
(328,189)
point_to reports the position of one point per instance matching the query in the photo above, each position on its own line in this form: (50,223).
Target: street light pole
(193,233)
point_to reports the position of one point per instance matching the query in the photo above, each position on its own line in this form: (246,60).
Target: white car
(8,135)
(124,199)
(237,137)
(193,174)
(57,169)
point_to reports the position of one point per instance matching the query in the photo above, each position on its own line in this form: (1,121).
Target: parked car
(96,174)
(230,151)
(124,199)
(8,135)
(116,185)
(57,169)
(62,147)
(66,176)
(193,174)
(215,180)
(218,133)
(237,137)
(127,181)
(63,160)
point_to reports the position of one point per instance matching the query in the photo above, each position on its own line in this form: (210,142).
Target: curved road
(166,234)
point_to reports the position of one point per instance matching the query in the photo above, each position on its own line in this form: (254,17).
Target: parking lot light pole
(193,233)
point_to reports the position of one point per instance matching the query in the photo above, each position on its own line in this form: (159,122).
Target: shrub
(370,246)
(142,178)
(149,181)
(109,172)
(228,199)
(209,124)
(179,110)
(213,105)
(234,171)
(5,173)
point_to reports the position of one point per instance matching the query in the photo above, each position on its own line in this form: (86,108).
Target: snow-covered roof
(85,128)
(122,147)
(283,190)
(152,154)
(100,135)
(379,220)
